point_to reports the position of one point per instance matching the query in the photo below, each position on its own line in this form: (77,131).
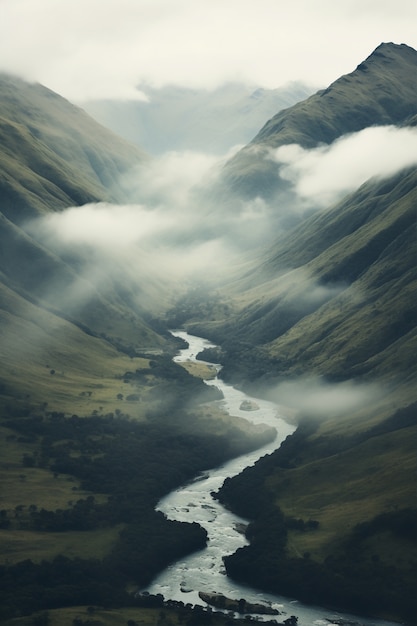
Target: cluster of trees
(353,578)
(134,464)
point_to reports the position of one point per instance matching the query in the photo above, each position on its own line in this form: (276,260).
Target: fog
(172,232)
(176,232)
(316,397)
(106,49)
(323,175)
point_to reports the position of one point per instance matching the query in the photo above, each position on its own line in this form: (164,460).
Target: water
(204,570)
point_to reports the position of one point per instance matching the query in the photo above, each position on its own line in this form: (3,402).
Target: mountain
(53,155)
(336,293)
(209,121)
(324,322)
(379,91)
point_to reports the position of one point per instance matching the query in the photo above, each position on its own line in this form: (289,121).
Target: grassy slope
(347,488)
(335,296)
(34,342)
(54,155)
(39,275)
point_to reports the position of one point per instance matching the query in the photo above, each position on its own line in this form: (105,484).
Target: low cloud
(170,234)
(107,227)
(324,174)
(315,396)
(104,49)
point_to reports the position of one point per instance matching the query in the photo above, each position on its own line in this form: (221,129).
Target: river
(204,570)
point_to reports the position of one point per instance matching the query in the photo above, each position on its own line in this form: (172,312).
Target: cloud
(170,179)
(106,48)
(315,396)
(324,174)
(170,234)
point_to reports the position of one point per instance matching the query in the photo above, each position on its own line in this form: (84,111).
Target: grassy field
(21,488)
(96,617)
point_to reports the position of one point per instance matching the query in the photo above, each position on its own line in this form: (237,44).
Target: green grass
(111,617)
(348,488)
(383,94)
(22,487)
(54,155)
(200,370)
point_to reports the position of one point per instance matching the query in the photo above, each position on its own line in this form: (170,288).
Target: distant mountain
(380,91)
(210,121)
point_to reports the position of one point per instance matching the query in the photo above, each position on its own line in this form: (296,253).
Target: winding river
(204,570)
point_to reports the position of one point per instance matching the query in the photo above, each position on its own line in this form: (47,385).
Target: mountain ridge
(383,95)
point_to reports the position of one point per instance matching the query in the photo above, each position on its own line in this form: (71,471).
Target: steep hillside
(336,294)
(380,91)
(325,322)
(53,154)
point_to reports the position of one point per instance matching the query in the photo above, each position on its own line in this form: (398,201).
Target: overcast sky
(105,48)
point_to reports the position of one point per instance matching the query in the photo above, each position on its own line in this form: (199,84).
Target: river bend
(204,570)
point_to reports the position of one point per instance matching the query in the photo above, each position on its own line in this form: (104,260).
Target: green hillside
(53,155)
(335,293)
(326,312)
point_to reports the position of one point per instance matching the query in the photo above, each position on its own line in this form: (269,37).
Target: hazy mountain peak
(382,90)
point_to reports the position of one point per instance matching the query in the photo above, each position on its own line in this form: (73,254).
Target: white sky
(104,48)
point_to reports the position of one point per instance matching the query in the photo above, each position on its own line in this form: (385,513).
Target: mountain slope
(54,155)
(325,324)
(337,291)
(380,91)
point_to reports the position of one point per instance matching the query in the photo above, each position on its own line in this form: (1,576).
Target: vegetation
(113,470)
(54,155)
(338,558)
(145,611)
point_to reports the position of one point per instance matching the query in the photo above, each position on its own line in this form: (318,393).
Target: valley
(310,302)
